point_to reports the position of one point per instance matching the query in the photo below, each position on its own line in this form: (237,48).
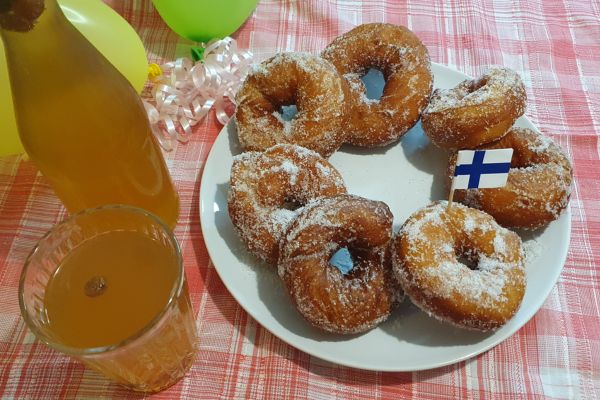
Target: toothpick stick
(451,196)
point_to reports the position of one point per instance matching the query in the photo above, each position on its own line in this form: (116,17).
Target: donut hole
(343,260)
(471,257)
(523,157)
(468,88)
(519,162)
(468,261)
(288,112)
(291,204)
(477,84)
(374,82)
(360,262)
(467,256)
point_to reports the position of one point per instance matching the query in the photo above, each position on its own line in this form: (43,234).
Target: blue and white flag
(481,168)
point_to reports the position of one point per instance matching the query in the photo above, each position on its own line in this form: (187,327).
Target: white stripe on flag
(465,157)
(460,182)
(497,156)
(492,180)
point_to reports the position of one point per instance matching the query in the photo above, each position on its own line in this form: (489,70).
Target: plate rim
(529,314)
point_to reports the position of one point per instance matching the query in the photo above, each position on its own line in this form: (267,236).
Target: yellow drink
(80,120)
(107,287)
(135,274)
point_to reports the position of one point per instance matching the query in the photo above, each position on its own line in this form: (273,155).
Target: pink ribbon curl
(185,92)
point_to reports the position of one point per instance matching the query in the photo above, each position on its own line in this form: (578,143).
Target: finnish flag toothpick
(478,169)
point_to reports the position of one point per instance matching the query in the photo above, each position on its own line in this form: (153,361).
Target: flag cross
(478,168)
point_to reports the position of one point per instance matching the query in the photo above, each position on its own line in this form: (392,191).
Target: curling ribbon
(184,93)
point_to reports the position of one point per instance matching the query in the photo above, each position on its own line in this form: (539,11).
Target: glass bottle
(79,119)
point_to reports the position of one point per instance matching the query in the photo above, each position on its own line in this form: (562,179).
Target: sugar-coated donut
(476,111)
(404,61)
(262,184)
(329,300)
(538,187)
(427,253)
(309,82)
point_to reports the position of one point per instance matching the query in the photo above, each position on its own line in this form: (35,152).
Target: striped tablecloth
(554,45)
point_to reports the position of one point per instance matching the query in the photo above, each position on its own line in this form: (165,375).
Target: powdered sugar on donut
(327,298)
(425,256)
(287,125)
(458,278)
(404,62)
(303,79)
(492,84)
(261,184)
(476,111)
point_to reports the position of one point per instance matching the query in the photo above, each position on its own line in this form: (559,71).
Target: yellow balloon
(103,27)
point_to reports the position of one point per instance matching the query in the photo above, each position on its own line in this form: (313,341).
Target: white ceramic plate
(407,176)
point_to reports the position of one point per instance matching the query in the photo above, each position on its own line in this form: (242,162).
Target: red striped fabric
(554,45)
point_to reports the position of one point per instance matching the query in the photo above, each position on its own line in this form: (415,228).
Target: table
(554,45)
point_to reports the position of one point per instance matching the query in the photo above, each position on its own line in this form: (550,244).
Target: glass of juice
(107,287)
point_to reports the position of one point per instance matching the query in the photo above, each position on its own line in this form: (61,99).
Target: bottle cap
(20,15)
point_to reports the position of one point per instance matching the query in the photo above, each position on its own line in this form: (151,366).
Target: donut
(476,111)
(538,186)
(460,266)
(266,187)
(404,61)
(326,298)
(309,82)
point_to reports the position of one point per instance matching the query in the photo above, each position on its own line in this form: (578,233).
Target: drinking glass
(149,360)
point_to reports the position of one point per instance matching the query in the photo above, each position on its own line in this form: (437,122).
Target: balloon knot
(197,53)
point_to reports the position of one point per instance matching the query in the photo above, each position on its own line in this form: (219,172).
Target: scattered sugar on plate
(533,250)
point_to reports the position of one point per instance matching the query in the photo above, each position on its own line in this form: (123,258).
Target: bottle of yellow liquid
(79,119)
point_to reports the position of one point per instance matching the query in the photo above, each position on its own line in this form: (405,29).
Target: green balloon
(202,20)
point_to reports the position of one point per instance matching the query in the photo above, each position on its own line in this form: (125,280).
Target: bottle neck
(53,54)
